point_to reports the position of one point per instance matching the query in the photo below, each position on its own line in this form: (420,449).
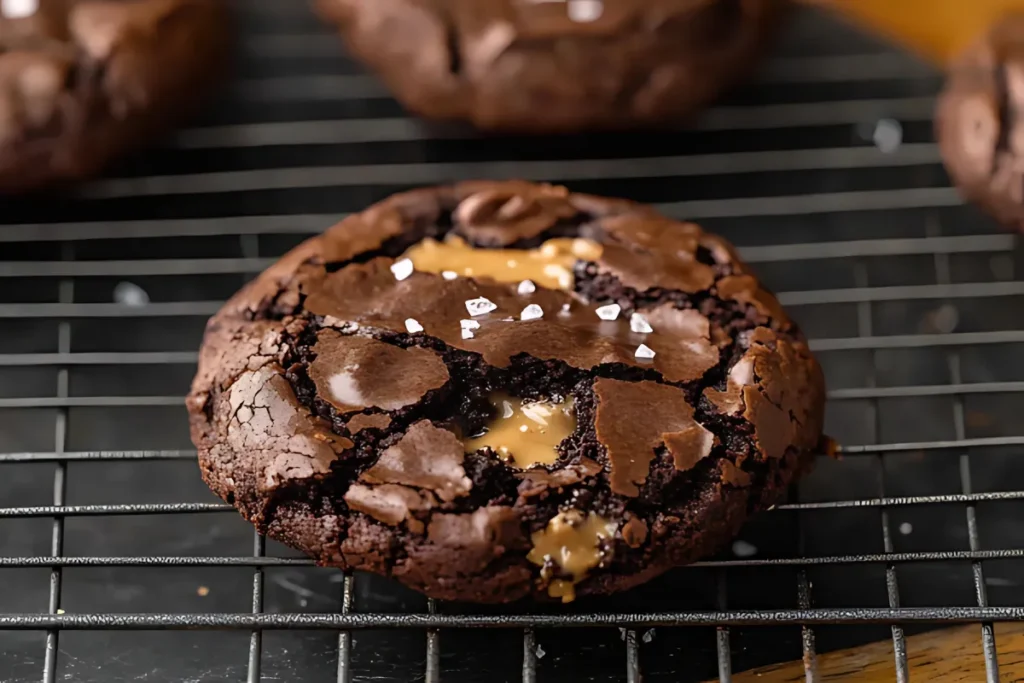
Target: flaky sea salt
(532,312)
(480,306)
(467,328)
(609,312)
(413,325)
(644,351)
(526,287)
(18,9)
(537,412)
(449,274)
(402,269)
(565,310)
(585,11)
(639,324)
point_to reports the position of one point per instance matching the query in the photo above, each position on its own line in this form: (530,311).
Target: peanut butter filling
(526,434)
(549,265)
(573,543)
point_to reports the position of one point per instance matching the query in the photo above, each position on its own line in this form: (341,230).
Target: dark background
(786,168)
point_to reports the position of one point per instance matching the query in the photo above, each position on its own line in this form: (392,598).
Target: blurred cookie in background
(83,81)
(979,122)
(545,66)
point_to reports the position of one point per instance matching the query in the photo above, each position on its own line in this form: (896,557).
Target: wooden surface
(947,656)
(937,29)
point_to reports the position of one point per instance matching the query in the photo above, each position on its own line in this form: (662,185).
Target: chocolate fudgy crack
(495,390)
(82,81)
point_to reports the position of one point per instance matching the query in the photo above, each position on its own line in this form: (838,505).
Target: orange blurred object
(936,29)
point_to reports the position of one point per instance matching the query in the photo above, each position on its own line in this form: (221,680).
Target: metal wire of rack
(911,301)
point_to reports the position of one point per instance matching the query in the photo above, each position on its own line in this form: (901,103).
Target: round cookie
(979,122)
(556,65)
(496,390)
(84,81)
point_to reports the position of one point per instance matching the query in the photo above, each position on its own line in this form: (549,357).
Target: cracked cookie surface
(556,65)
(84,81)
(482,436)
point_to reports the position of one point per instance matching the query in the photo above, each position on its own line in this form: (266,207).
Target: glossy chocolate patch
(426,457)
(353,373)
(634,419)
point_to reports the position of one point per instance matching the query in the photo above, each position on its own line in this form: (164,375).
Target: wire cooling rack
(117,566)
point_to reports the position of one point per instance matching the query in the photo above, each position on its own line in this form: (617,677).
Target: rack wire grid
(823,171)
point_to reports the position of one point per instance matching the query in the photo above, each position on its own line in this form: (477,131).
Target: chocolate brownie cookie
(980,122)
(494,390)
(83,81)
(556,65)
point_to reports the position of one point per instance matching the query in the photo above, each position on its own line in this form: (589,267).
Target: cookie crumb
(743,549)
